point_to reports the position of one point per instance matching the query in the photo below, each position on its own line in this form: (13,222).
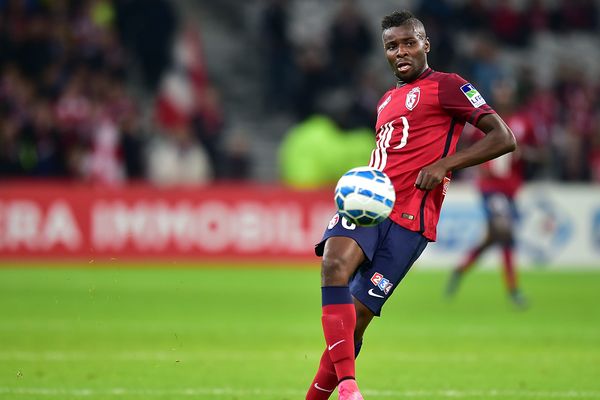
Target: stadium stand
(89,88)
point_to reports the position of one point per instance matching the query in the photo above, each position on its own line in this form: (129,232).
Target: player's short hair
(399,18)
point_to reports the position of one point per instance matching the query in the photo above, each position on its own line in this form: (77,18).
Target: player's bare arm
(498,140)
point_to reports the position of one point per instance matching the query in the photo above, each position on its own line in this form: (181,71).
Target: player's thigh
(500,210)
(341,257)
(348,246)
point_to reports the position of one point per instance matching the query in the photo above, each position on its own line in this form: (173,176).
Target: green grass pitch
(116,332)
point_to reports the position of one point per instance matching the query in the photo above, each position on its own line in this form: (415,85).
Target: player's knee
(335,271)
(500,231)
(503,234)
(507,240)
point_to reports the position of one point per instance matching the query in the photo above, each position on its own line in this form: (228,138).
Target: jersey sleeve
(461,100)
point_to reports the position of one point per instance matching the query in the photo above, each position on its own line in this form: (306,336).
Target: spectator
(277,54)
(350,43)
(595,151)
(507,24)
(238,161)
(442,51)
(10,149)
(103,164)
(43,140)
(312,79)
(62,96)
(207,123)
(473,16)
(577,123)
(147,28)
(537,17)
(176,159)
(576,15)
(484,67)
(438,12)
(133,146)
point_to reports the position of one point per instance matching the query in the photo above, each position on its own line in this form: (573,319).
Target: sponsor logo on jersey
(381,282)
(412,98)
(334,221)
(473,95)
(385,103)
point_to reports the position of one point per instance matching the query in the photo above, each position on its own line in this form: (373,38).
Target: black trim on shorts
(422,213)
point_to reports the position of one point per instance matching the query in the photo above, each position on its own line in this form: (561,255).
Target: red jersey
(505,173)
(417,124)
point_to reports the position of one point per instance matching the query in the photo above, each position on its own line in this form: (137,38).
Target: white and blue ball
(365,196)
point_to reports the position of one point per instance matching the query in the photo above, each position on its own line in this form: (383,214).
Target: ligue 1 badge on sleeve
(412,98)
(473,95)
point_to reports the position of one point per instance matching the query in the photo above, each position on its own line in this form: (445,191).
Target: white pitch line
(63,356)
(212,355)
(257,392)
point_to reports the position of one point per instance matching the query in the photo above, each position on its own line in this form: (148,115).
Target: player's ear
(427,45)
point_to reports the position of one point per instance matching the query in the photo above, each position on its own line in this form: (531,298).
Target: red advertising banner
(229,222)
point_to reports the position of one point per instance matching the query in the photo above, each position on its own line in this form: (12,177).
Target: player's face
(406,50)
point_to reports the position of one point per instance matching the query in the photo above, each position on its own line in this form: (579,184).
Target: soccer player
(418,125)
(499,181)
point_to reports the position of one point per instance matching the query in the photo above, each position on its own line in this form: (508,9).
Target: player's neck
(400,82)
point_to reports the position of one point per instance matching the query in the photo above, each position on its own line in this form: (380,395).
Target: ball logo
(412,98)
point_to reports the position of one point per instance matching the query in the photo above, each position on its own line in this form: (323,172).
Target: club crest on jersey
(334,221)
(385,103)
(382,283)
(473,95)
(412,98)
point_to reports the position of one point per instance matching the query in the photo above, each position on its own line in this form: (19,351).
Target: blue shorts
(499,205)
(390,250)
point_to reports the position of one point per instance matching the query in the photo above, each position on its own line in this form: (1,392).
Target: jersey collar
(423,74)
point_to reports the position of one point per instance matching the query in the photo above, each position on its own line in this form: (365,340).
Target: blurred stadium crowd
(109,91)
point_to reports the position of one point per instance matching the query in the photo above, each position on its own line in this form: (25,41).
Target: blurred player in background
(418,125)
(499,182)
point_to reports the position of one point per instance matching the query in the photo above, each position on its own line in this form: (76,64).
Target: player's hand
(431,176)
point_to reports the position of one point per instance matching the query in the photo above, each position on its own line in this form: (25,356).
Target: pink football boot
(348,390)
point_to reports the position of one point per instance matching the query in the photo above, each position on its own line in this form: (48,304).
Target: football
(365,196)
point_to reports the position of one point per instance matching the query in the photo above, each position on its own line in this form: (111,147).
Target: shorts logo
(473,95)
(348,225)
(382,283)
(334,221)
(412,98)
